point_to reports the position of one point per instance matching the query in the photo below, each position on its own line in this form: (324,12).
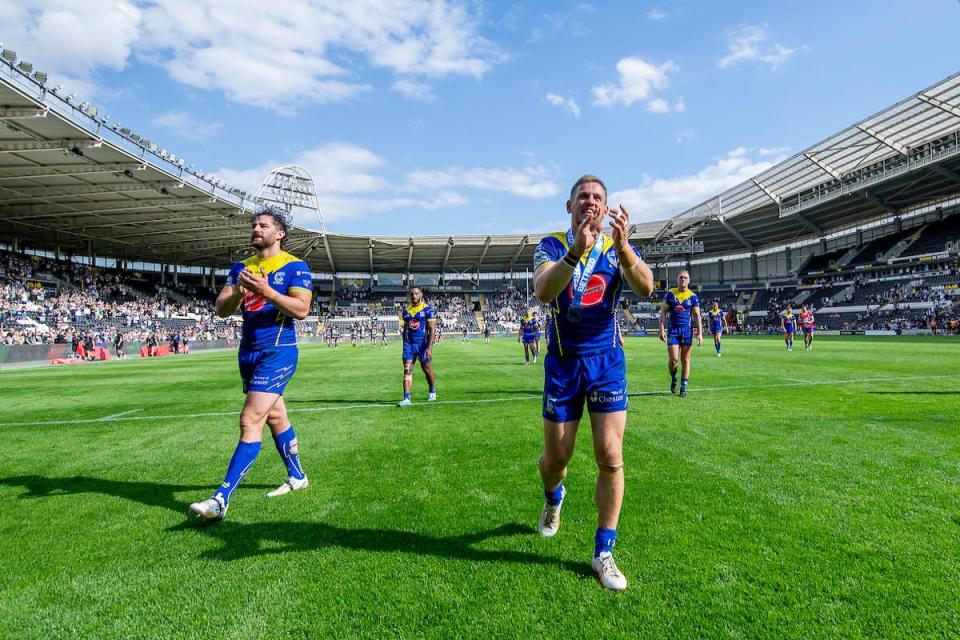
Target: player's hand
(586,234)
(620,224)
(662,335)
(254,282)
(699,340)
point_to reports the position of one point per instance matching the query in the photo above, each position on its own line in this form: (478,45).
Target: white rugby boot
(550,517)
(292,484)
(608,573)
(406,402)
(210,509)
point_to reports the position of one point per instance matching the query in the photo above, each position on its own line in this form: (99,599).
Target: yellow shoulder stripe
(417,309)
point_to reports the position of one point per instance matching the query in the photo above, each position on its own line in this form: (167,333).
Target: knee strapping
(611,467)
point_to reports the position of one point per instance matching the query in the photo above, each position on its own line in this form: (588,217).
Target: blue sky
(437,117)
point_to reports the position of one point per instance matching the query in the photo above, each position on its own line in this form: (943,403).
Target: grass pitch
(802,495)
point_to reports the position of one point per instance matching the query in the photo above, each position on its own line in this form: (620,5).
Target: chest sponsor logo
(253,302)
(594,291)
(414,324)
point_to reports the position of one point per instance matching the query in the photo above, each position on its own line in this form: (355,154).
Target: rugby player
(718,324)
(418,323)
(273,288)
(807,325)
(580,273)
(788,323)
(683,307)
(527,332)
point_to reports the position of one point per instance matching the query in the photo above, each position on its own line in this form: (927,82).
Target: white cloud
(658,105)
(686,135)
(659,198)
(530,182)
(276,55)
(186,126)
(751,43)
(638,80)
(413,89)
(656,14)
(567,103)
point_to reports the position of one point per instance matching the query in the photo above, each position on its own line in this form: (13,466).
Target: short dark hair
(280,217)
(584,180)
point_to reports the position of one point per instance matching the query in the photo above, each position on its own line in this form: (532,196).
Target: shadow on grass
(339,401)
(151,494)
(240,540)
(505,392)
(915,393)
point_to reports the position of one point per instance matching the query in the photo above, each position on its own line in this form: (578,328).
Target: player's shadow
(506,392)
(241,541)
(152,494)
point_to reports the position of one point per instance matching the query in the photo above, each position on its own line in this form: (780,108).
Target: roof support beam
(516,254)
(483,253)
(770,194)
(940,104)
(57,170)
(947,172)
(733,231)
(326,247)
(20,113)
(38,211)
(890,142)
(86,189)
(409,255)
(880,203)
(446,256)
(805,221)
(827,168)
(17,146)
(370,256)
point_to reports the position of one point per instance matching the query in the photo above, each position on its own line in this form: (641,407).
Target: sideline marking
(126,417)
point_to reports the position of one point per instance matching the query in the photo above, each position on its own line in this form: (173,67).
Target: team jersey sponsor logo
(413,324)
(278,277)
(253,301)
(613,260)
(594,291)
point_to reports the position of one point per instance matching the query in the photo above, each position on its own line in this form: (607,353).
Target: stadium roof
(73,181)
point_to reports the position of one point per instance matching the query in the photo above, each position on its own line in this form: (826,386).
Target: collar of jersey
(562,237)
(271,264)
(681,297)
(417,309)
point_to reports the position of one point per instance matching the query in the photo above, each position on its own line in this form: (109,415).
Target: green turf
(800,495)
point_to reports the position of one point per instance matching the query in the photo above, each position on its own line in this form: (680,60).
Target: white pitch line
(118,415)
(125,417)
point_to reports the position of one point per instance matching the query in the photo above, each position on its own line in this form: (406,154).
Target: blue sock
(433,389)
(287,448)
(603,542)
(554,497)
(673,376)
(240,463)
(683,383)
(406,395)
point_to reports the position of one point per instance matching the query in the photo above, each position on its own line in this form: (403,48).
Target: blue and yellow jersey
(716,319)
(264,325)
(681,305)
(529,326)
(788,320)
(597,331)
(414,320)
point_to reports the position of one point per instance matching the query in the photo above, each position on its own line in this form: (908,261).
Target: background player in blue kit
(788,323)
(273,288)
(718,324)
(580,273)
(418,325)
(527,332)
(537,334)
(683,307)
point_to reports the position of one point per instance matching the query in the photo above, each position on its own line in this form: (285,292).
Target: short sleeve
(666,297)
(429,313)
(695,302)
(549,249)
(234,276)
(301,277)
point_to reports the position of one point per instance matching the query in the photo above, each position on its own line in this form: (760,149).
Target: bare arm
(664,309)
(699,321)
(431,334)
(551,278)
(228,301)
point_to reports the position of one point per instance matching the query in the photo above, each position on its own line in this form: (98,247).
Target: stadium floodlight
(9,55)
(153,147)
(25,67)
(135,137)
(91,111)
(57,89)
(163,153)
(40,77)
(124,131)
(291,188)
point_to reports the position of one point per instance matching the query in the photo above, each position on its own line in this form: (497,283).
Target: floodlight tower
(292,188)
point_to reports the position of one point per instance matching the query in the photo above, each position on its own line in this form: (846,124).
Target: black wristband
(571,260)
